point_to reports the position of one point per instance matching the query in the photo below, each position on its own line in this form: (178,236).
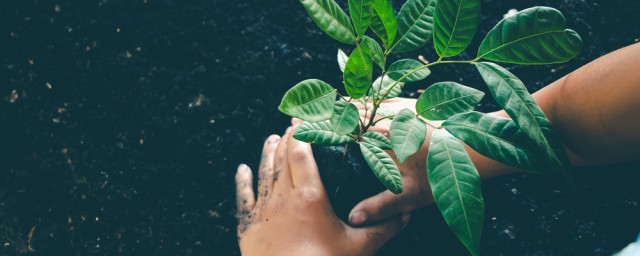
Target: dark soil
(123,121)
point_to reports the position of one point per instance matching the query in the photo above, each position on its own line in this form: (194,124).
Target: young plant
(533,36)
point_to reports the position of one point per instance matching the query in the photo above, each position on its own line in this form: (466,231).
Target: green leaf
(358,72)
(407,134)
(376,52)
(310,100)
(382,166)
(455,184)
(386,112)
(383,21)
(511,94)
(377,140)
(405,67)
(331,19)
(342,60)
(445,99)
(345,117)
(455,23)
(381,85)
(495,137)
(536,35)
(415,25)
(361,11)
(320,133)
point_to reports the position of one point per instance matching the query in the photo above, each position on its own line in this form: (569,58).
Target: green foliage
(526,141)
(345,118)
(455,184)
(376,52)
(407,134)
(495,137)
(536,35)
(445,99)
(331,19)
(415,25)
(382,166)
(386,112)
(382,84)
(383,21)
(361,12)
(377,140)
(320,133)
(512,96)
(342,60)
(456,21)
(310,100)
(358,72)
(406,70)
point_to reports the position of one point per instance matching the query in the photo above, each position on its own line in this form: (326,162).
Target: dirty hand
(416,190)
(292,214)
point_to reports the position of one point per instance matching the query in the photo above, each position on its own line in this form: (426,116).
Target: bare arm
(595,110)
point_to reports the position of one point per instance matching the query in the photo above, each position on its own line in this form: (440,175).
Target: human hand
(292,214)
(416,190)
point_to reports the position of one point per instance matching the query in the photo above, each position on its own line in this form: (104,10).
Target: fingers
(282,176)
(380,207)
(375,236)
(304,170)
(244,190)
(295,121)
(265,183)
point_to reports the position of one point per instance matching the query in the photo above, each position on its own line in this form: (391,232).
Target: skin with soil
(123,123)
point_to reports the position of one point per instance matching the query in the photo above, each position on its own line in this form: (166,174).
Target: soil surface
(123,121)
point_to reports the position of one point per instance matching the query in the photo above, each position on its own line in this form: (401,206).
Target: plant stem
(376,104)
(383,118)
(432,126)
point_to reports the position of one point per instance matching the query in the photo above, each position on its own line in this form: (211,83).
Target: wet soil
(122,123)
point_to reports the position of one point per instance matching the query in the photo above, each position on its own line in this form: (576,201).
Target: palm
(417,192)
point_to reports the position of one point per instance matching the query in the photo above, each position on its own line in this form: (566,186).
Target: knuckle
(298,154)
(383,208)
(308,196)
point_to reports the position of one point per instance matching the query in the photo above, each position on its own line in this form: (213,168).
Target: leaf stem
(343,98)
(376,104)
(383,118)
(432,126)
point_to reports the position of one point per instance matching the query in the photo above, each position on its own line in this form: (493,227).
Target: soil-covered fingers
(266,172)
(245,198)
(282,175)
(304,170)
(244,190)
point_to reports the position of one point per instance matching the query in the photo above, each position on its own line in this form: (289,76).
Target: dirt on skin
(123,122)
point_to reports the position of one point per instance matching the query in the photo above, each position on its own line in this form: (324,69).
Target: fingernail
(357,218)
(243,168)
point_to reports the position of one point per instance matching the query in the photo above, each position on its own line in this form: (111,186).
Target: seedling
(532,36)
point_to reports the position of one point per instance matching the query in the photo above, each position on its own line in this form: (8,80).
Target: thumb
(375,236)
(379,207)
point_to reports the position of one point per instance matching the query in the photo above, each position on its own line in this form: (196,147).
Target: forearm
(595,110)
